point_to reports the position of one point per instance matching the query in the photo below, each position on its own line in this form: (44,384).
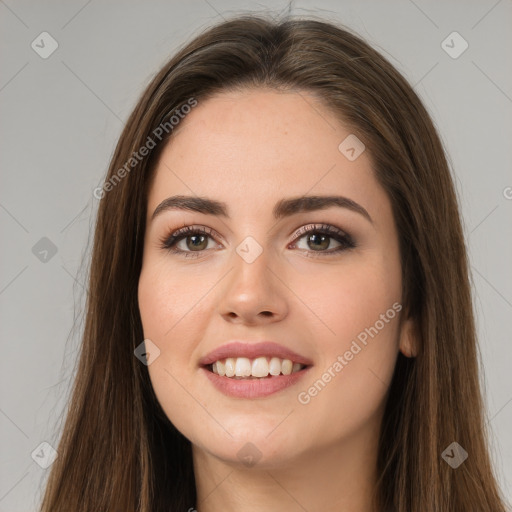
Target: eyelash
(346,241)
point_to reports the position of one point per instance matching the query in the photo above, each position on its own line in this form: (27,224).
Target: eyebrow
(283,208)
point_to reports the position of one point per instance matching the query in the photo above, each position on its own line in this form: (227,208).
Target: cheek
(360,309)
(163,306)
(164,301)
(168,297)
(345,300)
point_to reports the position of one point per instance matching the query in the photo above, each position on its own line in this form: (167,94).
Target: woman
(279,313)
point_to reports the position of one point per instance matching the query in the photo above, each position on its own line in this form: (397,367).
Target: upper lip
(252,351)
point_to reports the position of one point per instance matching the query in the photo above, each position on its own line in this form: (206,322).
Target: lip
(253,388)
(252,351)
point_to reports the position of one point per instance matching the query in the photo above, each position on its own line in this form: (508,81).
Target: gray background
(61,117)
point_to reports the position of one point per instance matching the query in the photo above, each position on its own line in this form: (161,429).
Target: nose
(253,293)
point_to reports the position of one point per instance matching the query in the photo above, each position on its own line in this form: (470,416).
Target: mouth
(245,370)
(265,367)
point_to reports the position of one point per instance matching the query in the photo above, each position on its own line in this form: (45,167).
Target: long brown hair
(118,450)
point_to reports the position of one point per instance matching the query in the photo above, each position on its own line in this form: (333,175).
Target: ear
(408,338)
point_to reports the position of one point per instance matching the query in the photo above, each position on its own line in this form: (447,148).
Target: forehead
(251,146)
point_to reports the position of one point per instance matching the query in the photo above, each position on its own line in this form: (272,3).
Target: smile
(260,367)
(253,370)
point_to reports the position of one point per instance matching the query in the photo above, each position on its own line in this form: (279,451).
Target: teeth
(275,366)
(221,368)
(243,367)
(260,367)
(286,367)
(230,367)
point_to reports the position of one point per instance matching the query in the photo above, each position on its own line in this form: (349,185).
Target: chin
(252,444)
(252,454)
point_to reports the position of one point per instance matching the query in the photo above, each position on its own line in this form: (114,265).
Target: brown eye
(196,242)
(319,239)
(192,241)
(188,240)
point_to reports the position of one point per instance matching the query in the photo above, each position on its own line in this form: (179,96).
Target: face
(320,281)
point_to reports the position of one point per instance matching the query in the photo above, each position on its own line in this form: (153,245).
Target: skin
(250,149)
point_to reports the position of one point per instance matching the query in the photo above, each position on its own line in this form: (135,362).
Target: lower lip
(253,388)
